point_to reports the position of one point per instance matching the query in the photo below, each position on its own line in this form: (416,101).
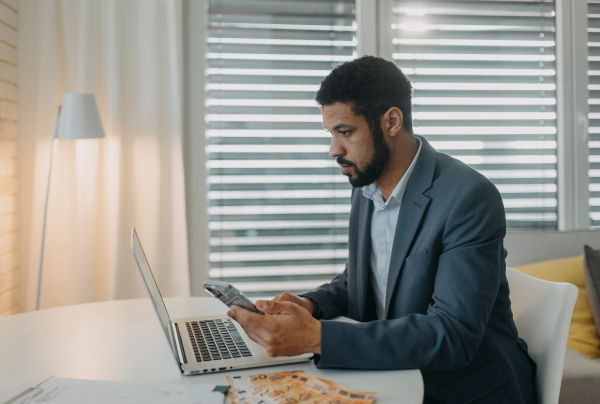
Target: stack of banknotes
(294,387)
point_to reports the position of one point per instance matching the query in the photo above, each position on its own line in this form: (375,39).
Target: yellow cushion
(583,336)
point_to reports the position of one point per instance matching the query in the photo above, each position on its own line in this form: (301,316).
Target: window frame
(572,115)
(195,26)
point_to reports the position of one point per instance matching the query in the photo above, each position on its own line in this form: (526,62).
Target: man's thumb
(271,307)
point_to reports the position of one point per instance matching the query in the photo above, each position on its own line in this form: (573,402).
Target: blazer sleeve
(468,276)
(331,298)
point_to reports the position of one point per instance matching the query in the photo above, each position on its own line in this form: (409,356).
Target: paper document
(60,390)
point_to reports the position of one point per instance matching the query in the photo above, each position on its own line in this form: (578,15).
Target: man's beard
(375,166)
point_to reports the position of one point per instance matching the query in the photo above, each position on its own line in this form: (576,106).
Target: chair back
(542,312)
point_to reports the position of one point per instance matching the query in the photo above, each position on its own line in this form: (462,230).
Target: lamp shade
(79,118)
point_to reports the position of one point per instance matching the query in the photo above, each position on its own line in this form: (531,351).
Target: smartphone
(229,295)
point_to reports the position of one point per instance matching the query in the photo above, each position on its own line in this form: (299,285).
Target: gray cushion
(526,247)
(591,272)
(581,379)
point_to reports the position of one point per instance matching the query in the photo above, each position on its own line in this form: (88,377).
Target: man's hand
(286,330)
(300,301)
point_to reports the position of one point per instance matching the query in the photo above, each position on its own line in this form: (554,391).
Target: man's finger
(240,314)
(247,317)
(288,296)
(254,333)
(285,297)
(279,307)
(237,313)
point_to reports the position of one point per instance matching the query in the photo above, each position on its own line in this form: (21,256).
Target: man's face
(362,155)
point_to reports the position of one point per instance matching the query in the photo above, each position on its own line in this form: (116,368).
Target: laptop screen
(151,286)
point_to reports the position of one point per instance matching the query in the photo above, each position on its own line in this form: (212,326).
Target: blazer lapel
(363,253)
(413,206)
(411,212)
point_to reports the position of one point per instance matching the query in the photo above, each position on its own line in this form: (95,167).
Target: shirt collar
(373,192)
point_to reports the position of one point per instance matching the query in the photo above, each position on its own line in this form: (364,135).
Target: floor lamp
(77,118)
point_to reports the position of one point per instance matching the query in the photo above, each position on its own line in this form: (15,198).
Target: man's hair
(372,86)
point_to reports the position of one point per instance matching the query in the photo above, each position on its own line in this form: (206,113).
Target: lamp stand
(39,287)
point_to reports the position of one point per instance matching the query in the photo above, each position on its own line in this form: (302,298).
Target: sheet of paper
(59,390)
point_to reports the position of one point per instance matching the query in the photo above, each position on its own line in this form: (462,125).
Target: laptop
(205,344)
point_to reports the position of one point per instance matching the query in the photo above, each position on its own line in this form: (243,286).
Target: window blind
(278,206)
(594,106)
(483,74)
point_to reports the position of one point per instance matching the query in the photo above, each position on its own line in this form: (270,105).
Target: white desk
(122,341)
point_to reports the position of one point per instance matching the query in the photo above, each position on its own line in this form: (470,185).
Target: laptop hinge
(178,343)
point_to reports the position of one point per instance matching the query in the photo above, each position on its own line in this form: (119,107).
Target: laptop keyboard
(215,340)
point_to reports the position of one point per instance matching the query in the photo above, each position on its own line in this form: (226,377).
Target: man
(425,276)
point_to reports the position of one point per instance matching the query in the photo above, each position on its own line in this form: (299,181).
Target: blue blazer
(447,299)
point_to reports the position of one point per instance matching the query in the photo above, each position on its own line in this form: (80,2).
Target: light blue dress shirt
(383,227)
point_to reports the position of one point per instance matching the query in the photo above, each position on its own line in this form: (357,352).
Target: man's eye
(344,133)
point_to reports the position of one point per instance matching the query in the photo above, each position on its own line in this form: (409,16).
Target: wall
(8,157)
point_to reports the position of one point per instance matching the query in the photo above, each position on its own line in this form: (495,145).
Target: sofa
(581,374)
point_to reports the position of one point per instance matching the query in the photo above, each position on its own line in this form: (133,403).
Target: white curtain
(129,54)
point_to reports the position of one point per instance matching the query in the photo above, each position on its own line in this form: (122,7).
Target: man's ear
(392,121)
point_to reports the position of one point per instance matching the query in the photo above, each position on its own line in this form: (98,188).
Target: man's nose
(335,149)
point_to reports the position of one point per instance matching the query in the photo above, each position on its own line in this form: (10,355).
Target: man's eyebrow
(342,125)
(338,126)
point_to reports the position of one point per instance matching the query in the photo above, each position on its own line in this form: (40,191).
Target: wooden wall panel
(8,157)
